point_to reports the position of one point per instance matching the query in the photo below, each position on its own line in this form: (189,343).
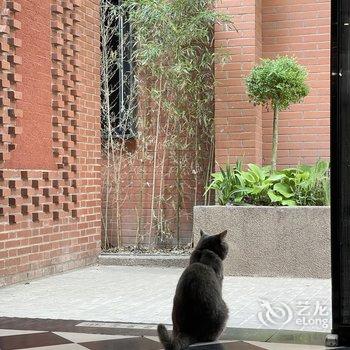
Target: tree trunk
(274,138)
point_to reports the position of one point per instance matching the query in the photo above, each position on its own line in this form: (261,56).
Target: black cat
(199,312)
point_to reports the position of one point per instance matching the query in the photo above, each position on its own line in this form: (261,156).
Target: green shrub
(277,84)
(303,185)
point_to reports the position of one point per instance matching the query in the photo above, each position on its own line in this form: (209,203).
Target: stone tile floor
(144,295)
(36,334)
(112,307)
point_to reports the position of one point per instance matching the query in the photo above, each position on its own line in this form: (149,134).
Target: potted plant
(277,83)
(278,222)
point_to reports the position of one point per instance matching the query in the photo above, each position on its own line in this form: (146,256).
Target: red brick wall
(237,123)
(300,29)
(129,213)
(49,200)
(35,86)
(266,29)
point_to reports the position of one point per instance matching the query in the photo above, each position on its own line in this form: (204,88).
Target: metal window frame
(340,168)
(124,98)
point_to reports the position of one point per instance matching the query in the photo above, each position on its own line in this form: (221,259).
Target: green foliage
(311,184)
(303,185)
(174,68)
(228,184)
(277,82)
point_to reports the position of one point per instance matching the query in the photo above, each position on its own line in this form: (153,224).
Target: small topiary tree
(277,84)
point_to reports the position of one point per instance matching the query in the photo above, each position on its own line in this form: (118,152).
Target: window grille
(120,73)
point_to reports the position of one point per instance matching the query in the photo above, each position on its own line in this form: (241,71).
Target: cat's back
(199,309)
(197,279)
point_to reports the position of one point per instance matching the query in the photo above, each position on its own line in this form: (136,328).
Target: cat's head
(215,243)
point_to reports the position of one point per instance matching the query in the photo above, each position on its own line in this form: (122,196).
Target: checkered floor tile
(41,334)
(11,339)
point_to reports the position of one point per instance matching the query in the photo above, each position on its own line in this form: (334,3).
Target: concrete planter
(271,241)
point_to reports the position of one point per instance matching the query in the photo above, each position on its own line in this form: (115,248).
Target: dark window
(121,100)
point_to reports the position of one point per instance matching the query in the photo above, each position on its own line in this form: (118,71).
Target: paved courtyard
(144,295)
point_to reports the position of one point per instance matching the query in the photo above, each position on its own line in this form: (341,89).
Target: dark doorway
(340,165)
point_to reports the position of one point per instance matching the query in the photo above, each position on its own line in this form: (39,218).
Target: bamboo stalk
(155,155)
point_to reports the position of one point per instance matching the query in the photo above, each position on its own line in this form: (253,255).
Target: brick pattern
(9,78)
(129,213)
(89,126)
(237,123)
(302,29)
(266,29)
(65,93)
(258,53)
(35,196)
(35,88)
(50,219)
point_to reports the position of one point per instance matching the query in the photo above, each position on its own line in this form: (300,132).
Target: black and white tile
(40,334)
(12,339)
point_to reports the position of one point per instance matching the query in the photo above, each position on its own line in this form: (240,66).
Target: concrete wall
(271,241)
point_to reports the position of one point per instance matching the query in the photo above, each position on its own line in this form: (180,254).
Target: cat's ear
(202,233)
(223,234)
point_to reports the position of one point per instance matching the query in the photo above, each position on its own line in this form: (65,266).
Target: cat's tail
(177,343)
